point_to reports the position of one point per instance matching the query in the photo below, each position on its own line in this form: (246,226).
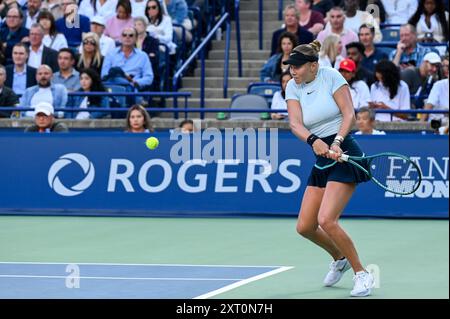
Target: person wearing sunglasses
(160,25)
(90,57)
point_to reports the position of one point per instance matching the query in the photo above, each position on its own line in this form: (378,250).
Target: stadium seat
(117,101)
(250,102)
(391,34)
(267,90)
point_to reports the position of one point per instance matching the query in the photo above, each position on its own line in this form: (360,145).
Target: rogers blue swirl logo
(56,184)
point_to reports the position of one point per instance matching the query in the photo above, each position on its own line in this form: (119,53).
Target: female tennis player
(321,113)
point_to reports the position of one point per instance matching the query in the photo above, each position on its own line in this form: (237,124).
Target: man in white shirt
(107,44)
(33,7)
(438,100)
(399,11)
(365,121)
(40,54)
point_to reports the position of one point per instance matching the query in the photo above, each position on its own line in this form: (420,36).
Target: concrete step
(246,54)
(214,93)
(246,64)
(233,82)
(245,35)
(249,15)
(195,103)
(245,44)
(253,25)
(254,5)
(233,72)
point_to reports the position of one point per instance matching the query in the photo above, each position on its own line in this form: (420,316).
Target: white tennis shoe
(364,283)
(337,269)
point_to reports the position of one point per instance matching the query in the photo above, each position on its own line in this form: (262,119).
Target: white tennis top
(321,114)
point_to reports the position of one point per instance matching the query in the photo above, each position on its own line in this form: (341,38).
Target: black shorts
(326,169)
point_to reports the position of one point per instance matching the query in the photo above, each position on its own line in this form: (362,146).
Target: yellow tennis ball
(152,143)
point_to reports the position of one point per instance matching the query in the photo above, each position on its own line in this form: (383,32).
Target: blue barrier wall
(106,173)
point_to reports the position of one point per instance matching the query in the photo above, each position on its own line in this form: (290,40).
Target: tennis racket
(393,172)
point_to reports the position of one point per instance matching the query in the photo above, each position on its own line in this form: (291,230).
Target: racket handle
(343,156)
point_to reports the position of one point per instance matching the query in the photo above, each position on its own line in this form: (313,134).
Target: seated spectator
(90,57)
(44,91)
(354,18)
(291,21)
(89,82)
(310,19)
(31,12)
(20,76)
(278,100)
(431,21)
(7,96)
(127,65)
(274,67)
(103,8)
(421,79)
(138,8)
(330,52)
(149,45)
(408,53)
(67,75)
(337,19)
(358,89)
(55,7)
(98,27)
(355,51)
(12,31)
(178,11)
(52,39)
(160,25)
(138,120)
(187,126)
(2,54)
(39,53)
(372,55)
(45,121)
(66,25)
(389,92)
(120,21)
(322,6)
(5,5)
(365,121)
(399,12)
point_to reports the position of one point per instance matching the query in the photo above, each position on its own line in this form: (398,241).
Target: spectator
(116,24)
(408,53)
(438,98)
(322,6)
(45,121)
(12,31)
(67,24)
(431,21)
(389,92)
(178,11)
(187,126)
(103,8)
(98,27)
(128,65)
(20,76)
(365,121)
(7,96)
(309,19)
(138,8)
(278,100)
(337,19)
(149,45)
(355,51)
(44,91)
(291,21)
(358,89)
(90,57)
(89,82)
(67,75)
(330,52)
(55,7)
(421,79)
(32,12)
(160,25)
(5,5)
(399,11)
(372,55)
(40,54)
(52,39)
(374,7)
(274,67)
(2,54)
(138,120)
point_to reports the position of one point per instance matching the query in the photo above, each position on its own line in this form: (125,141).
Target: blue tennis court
(84,280)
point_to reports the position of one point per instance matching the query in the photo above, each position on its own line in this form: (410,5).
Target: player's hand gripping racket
(393,172)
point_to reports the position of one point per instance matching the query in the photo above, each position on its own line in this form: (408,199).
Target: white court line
(242,282)
(123,278)
(118,264)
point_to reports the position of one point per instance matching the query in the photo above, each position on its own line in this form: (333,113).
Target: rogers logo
(56,184)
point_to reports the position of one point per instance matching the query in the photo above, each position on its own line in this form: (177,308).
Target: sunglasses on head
(129,35)
(89,42)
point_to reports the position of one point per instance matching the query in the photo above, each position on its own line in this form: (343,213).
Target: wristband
(311,139)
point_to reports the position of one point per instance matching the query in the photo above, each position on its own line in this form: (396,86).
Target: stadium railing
(280,9)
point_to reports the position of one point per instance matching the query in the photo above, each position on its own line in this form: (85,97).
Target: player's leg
(307,224)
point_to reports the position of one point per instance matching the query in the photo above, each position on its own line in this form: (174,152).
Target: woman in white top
(389,92)
(431,18)
(321,113)
(52,38)
(160,25)
(104,8)
(358,89)
(330,53)
(278,99)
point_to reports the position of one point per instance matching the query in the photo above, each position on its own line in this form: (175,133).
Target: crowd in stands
(401,75)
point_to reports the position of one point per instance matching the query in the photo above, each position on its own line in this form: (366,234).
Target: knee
(305,230)
(327,224)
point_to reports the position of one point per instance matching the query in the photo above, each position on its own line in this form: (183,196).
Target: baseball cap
(44,107)
(432,57)
(98,20)
(298,59)
(347,65)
